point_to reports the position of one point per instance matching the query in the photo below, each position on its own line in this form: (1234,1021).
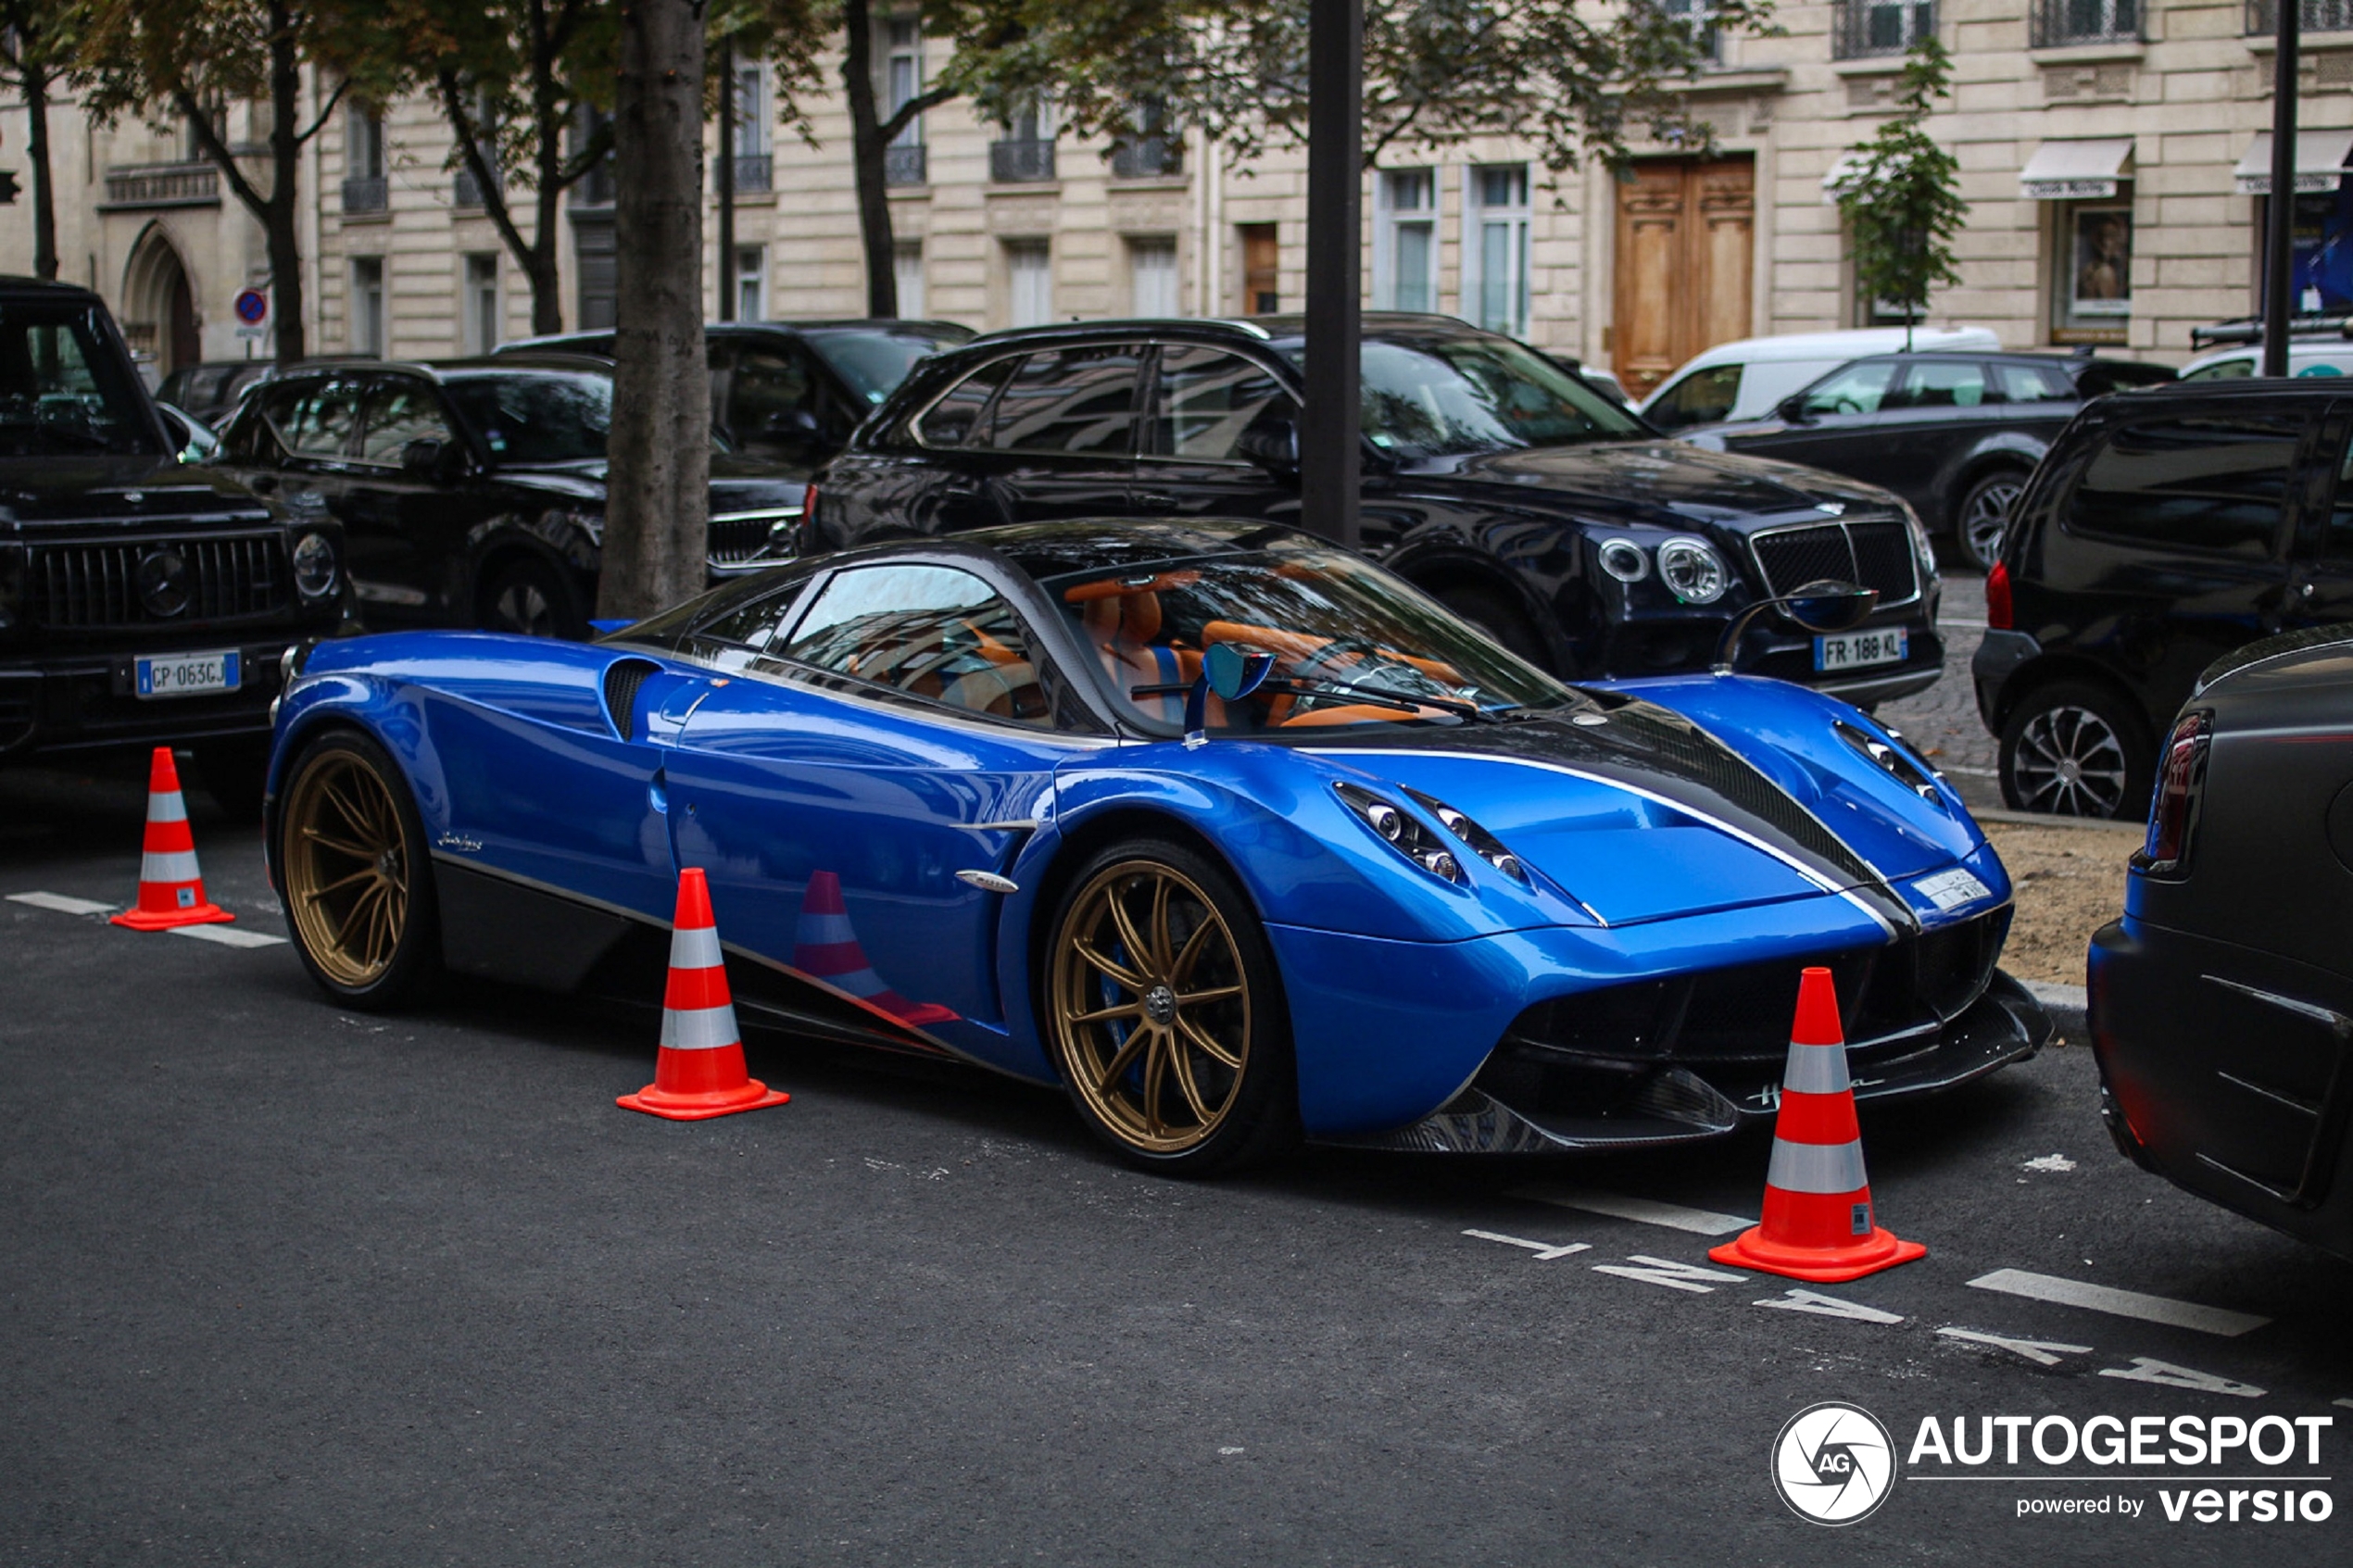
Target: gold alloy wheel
(346,869)
(1151,1007)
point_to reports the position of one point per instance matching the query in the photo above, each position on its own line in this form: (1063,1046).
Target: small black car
(474,493)
(2222,1003)
(143,602)
(791,392)
(1528,502)
(1955,433)
(2167,528)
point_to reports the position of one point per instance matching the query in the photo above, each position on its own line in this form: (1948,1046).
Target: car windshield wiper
(1371,697)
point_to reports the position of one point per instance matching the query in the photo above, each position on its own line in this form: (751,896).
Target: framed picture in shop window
(2092,271)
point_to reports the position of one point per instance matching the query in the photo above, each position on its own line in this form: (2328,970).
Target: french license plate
(1859,650)
(187,675)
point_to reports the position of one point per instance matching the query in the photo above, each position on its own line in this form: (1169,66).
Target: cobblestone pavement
(1943,721)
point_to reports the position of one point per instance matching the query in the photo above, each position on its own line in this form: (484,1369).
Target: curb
(2065,1005)
(2038,820)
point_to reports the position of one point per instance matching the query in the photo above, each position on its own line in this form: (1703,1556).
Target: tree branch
(319,124)
(930,99)
(217,151)
(494,195)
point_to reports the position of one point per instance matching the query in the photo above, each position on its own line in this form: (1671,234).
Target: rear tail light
(2181,778)
(809,544)
(1997,597)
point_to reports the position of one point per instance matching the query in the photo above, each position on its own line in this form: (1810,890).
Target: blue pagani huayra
(982,799)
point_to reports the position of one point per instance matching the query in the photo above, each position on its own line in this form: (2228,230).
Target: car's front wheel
(354,873)
(2076,750)
(529,596)
(1165,1014)
(1493,611)
(1982,518)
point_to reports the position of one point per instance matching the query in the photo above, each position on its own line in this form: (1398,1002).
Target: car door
(1937,410)
(296,448)
(1833,422)
(1220,439)
(771,405)
(1062,432)
(408,528)
(837,786)
(2321,576)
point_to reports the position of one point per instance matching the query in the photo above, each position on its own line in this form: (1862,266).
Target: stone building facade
(2113,151)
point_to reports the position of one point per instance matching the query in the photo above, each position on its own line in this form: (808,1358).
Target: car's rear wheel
(1165,1012)
(2075,749)
(1494,613)
(354,873)
(1983,518)
(528,595)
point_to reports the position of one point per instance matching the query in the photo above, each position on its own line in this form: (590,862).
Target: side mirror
(436,462)
(1823,606)
(1236,669)
(1272,444)
(1791,409)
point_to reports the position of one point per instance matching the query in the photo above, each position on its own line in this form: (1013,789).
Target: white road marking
(2166,1374)
(229,936)
(1546,1250)
(1969,773)
(1662,1271)
(2049,1162)
(2122,1303)
(1643,1211)
(1829,1307)
(2347,1403)
(2046,1352)
(61,904)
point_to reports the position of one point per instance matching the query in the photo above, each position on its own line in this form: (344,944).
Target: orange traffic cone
(699,1072)
(1817,1221)
(170,888)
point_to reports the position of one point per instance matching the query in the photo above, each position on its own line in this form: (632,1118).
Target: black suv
(141,602)
(791,392)
(2166,529)
(1956,434)
(1578,536)
(473,492)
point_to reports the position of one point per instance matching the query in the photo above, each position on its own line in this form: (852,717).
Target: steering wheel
(1846,406)
(1331,653)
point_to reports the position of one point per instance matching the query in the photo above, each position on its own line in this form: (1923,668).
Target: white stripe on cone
(695,946)
(168,866)
(699,1029)
(1827,1168)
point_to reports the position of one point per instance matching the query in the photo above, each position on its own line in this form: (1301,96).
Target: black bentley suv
(1494,479)
(143,601)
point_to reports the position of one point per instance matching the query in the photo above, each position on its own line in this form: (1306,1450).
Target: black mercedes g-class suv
(141,602)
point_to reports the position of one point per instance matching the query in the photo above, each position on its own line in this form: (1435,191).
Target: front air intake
(622,677)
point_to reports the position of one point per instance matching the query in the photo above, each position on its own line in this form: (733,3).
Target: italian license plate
(1860,650)
(187,675)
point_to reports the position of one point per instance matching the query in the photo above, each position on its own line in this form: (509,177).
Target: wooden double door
(1685,264)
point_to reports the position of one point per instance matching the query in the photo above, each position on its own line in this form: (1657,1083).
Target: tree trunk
(724,178)
(286,162)
(539,266)
(658,494)
(867,156)
(44,199)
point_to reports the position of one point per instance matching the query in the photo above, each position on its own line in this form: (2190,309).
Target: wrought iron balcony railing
(163,184)
(367,195)
(1863,27)
(2061,22)
(2316,16)
(466,191)
(905,165)
(754,171)
(1148,157)
(1014,162)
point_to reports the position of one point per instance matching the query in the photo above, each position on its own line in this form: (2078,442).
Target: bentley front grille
(1873,554)
(762,538)
(151,581)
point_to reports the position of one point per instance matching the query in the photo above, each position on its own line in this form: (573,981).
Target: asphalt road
(288,1284)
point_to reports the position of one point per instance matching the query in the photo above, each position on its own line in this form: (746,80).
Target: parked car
(2306,357)
(1601,381)
(190,441)
(2166,529)
(1745,379)
(791,392)
(143,602)
(1233,834)
(1954,434)
(1515,493)
(473,492)
(209,391)
(2221,1002)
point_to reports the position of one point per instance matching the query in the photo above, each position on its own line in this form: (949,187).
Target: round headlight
(315,569)
(1693,569)
(1623,560)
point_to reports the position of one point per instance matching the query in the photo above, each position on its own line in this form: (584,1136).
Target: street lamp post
(1330,425)
(2280,236)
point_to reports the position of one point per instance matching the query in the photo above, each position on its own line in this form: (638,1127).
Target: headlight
(1400,830)
(1693,570)
(1485,844)
(1912,773)
(1923,548)
(315,569)
(1623,560)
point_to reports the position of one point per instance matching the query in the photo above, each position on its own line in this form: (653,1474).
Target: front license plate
(187,675)
(1860,650)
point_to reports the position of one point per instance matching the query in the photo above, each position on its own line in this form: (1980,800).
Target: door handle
(1156,500)
(262,484)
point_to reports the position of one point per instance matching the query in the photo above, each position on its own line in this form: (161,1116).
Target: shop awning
(2320,162)
(2076,170)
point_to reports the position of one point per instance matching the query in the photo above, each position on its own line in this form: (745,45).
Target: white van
(1745,380)
(2319,357)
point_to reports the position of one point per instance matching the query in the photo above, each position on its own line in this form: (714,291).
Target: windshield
(536,417)
(63,389)
(1352,644)
(874,361)
(1452,397)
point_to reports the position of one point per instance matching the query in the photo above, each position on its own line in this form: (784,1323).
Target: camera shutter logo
(1833,1463)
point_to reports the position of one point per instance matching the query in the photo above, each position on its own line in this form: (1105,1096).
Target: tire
(1493,612)
(1127,1038)
(2093,729)
(234,772)
(357,880)
(1983,518)
(528,595)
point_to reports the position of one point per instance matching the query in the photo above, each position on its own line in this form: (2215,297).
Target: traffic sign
(252,307)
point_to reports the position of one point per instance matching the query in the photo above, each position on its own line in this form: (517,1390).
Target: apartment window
(2092,275)
(1262,268)
(1026,150)
(2061,22)
(1881,26)
(752,282)
(750,152)
(906,272)
(367,304)
(903,76)
(364,186)
(481,305)
(1152,278)
(1696,16)
(1029,283)
(1405,240)
(1495,246)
